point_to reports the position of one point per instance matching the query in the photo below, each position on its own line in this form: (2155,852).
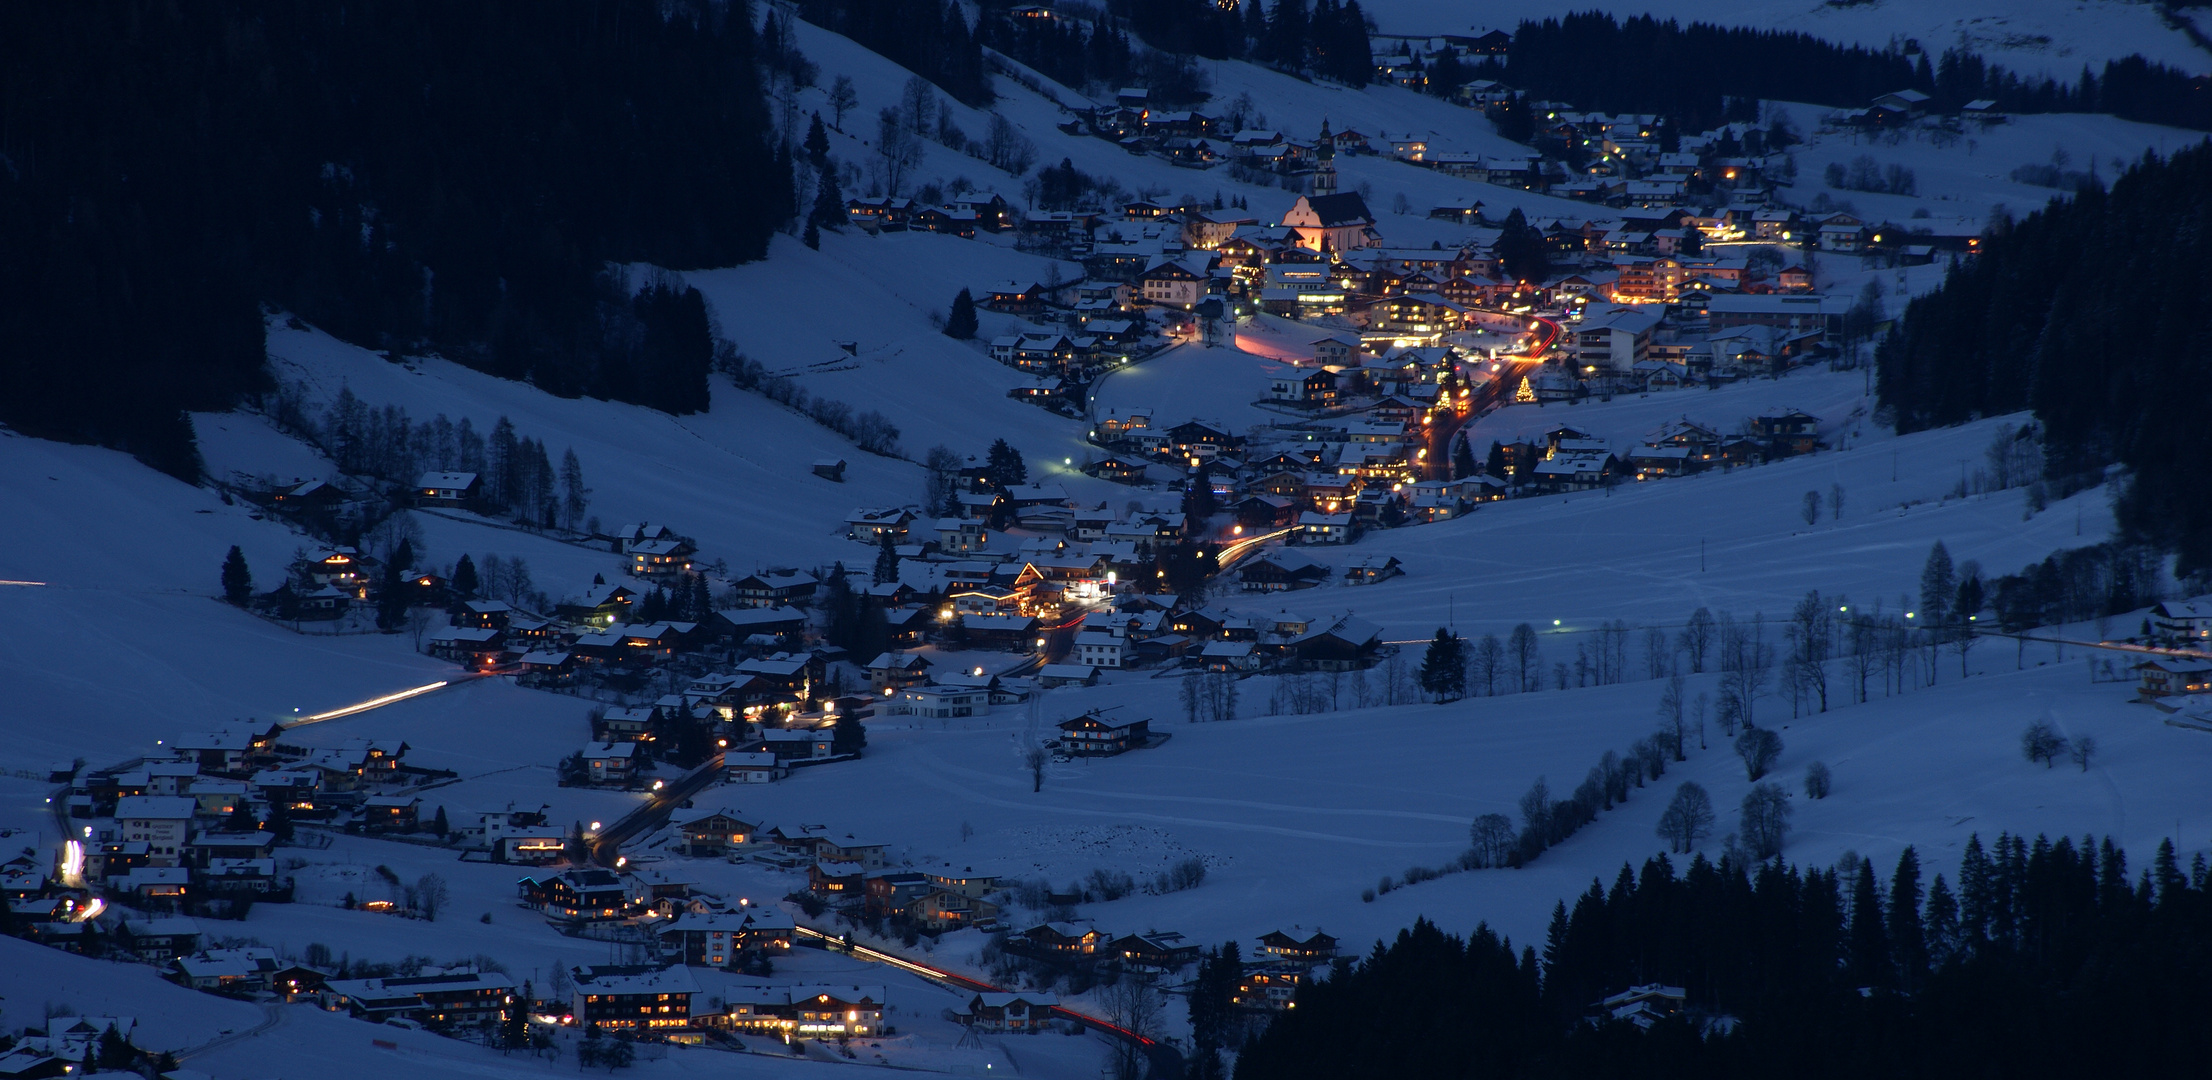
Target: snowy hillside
(2054,37)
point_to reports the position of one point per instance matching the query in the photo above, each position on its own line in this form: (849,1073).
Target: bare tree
(1134,1006)
(1758,747)
(1811,510)
(1485,664)
(1835,502)
(1658,653)
(430,896)
(1528,658)
(1817,781)
(2042,742)
(1812,633)
(1491,839)
(842,99)
(2084,750)
(1764,820)
(1670,714)
(1696,639)
(1688,818)
(1034,759)
(917,106)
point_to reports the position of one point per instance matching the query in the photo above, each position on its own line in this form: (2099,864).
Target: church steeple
(1324,167)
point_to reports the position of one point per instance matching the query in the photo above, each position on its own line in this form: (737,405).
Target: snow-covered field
(1967,177)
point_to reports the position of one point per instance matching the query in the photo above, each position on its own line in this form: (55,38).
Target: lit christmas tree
(1526,394)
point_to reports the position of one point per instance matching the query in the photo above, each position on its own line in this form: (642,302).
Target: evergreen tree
(1495,465)
(848,735)
(1463,458)
(829,201)
(816,143)
(1198,494)
(961,324)
(575,497)
(1004,467)
(811,236)
(1942,924)
(1868,957)
(1444,666)
(464,576)
(391,598)
(1907,939)
(887,561)
(1938,583)
(237,580)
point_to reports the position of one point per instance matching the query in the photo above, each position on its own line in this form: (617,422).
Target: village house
(1152,952)
(722,938)
(585,894)
(1092,735)
(806,1012)
(774,588)
(454,999)
(162,822)
(2169,677)
(1313,948)
(1003,1012)
(611,762)
(2182,620)
(718,833)
(632,997)
(456,489)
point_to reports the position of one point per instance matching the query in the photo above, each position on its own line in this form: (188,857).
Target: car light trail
(31,584)
(881,957)
(372,703)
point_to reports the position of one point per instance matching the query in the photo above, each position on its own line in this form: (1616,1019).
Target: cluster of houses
(197,820)
(2179,683)
(1566,459)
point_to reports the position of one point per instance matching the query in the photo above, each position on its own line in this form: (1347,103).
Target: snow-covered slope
(2054,37)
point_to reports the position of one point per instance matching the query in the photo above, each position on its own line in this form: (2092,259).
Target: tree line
(2085,312)
(930,39)
(1704,74)
(2045,958)
(411,176)
(1325,38)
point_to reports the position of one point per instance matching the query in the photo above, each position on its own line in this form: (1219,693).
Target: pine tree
(237,580)
(1463,458)
(887,561)
(1496,465)
(811,236)
(391,598)
(464,576)
(848,736)
(961,324)
(1907,939)
(1444,666)
(1938,583)
(1868,946)
(1942,924)
(575,497)
(1004,467)
(829,201)
(816,142)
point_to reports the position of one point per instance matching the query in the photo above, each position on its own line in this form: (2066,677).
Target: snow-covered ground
(1965,178)
(2053,37)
